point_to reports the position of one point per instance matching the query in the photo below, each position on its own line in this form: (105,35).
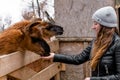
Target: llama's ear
(29,26)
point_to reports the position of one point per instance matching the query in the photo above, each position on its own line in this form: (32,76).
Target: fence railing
(28,66)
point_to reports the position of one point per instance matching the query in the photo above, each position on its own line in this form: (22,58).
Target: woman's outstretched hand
(50,57)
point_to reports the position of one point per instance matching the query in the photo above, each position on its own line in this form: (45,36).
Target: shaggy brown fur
(28,35)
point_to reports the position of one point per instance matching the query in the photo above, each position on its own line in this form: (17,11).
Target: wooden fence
(29,66)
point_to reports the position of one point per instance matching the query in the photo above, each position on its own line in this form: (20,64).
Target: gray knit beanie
(106,16)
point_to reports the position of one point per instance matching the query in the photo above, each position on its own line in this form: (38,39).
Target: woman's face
(96,27)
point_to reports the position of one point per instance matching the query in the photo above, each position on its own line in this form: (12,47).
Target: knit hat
(106,16)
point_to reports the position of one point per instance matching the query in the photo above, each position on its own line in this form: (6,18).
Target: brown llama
(28,35)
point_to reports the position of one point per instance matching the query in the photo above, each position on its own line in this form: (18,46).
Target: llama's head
(40,31)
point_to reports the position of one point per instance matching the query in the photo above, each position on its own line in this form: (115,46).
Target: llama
(28,35)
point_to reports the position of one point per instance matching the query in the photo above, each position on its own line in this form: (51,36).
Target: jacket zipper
(106,69)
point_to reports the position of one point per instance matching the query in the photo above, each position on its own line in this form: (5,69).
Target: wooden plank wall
(73,46)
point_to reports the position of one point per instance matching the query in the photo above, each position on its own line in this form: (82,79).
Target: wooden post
(63,67)
(57,76)
(86,70)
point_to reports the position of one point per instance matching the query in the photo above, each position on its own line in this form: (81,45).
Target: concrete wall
(75,17)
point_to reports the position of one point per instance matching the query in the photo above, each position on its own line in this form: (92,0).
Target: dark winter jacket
(109,66)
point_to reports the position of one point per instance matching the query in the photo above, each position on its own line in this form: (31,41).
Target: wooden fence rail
(13,65)
(28,66)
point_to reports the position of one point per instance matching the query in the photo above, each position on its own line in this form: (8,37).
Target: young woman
(103,52)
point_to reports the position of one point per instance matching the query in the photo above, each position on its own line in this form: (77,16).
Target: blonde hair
(101,44)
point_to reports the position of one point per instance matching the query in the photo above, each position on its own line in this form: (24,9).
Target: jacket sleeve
(74,59)
(117,63)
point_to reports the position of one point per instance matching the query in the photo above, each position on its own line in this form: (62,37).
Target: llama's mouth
(53,38)
(58,30)
(45,46)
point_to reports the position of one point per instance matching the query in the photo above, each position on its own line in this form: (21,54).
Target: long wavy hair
(101,44)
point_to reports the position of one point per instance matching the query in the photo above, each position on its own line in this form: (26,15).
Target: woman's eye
(95,23)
